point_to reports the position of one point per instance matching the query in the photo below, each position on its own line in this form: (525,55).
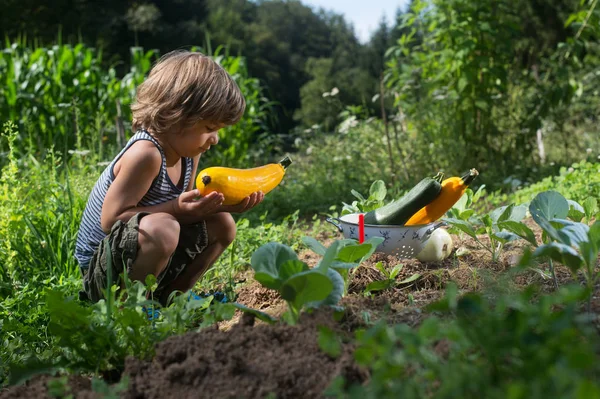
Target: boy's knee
(224,228)
(161,232)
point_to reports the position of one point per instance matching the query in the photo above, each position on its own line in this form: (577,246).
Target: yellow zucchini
(452,189)
(237,184)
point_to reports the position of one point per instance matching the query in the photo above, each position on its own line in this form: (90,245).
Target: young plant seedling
(569,242)
(347,254)
(277,267)
(390,279)
(490,225)
(377,193)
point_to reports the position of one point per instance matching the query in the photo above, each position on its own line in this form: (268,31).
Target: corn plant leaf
(561,253)
(548,205)
(306,287)
(519,229)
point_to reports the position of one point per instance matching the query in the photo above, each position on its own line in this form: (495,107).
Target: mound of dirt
(47,386)
(245,362)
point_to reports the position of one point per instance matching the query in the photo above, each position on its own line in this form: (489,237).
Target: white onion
(438,247)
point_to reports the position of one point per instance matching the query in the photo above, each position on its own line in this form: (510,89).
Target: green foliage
(63,97)
(377,194)
(506,346)
(577,182)
(328,167)
(458,74)
(489,224)
(390,278)
(276,266)
(98,337)
(246,142)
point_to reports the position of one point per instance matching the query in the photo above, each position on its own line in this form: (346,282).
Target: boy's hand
(247,203)
(191,208)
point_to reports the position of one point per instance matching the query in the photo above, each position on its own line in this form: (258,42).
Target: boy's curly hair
(183,88)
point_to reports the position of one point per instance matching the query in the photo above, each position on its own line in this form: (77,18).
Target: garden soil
(244,358)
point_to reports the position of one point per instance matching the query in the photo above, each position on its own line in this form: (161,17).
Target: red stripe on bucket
(361,228)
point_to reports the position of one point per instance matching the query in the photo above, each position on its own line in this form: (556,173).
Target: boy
(144,204)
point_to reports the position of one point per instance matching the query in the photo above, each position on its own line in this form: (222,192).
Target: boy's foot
(217,295)
(153,313)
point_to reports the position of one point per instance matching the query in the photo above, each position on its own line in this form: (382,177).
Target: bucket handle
(331,220)
(435,227)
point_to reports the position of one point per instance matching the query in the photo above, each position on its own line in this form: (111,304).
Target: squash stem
(439,177)
(285,162)
(469,177)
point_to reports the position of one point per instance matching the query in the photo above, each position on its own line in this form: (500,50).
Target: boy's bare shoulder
(142,157)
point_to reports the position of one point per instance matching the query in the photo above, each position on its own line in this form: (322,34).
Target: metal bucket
(401,241)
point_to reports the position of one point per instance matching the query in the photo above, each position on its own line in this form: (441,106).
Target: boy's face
(196,139)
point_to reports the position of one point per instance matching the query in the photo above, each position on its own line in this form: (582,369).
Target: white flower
(326,94)
(79,152)
(571,170)
(552,164)
(307,130)
(334,91)
(105,163)
(588,150)
(309,150)
(298,141)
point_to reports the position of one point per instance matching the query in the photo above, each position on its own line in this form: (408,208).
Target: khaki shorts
(123,243)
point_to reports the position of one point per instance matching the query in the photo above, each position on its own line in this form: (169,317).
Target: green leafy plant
(377,193)
(478,344)
(390,278)
(490,224)
(569,242)
(349,254)
(277,267)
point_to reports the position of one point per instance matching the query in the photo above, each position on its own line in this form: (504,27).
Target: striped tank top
(162,189)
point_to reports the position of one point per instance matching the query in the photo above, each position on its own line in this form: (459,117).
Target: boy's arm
(192,182)
(137,169)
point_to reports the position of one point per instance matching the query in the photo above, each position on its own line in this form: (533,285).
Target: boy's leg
(158,236)
(221,232)
(142,246)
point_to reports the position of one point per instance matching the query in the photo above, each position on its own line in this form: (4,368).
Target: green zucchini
(399,211)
